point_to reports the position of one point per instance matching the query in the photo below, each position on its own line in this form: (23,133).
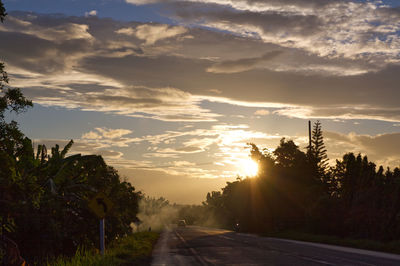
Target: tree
(11,99)
(2,12)
(264,160)
(12,144)
(44,200)
(288,154)
(317,153)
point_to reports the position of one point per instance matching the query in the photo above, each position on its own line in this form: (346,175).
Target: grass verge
(391,247)
(135,249)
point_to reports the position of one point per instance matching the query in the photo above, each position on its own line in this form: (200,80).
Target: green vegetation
(45,197)
(134,249)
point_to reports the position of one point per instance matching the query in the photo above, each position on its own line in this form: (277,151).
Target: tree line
(44,194)
(298,190)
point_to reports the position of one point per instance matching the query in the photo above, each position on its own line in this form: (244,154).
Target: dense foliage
(44,195)
(298,191)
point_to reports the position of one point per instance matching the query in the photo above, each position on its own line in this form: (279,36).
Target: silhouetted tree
(288,154)
(317,152)
(289,193)
(264,160)
(2,12)
(46,199)
(12,146)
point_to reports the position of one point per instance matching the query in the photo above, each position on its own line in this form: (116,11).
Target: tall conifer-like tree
(318,151)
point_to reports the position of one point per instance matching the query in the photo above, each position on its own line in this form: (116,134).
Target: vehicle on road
(181,223)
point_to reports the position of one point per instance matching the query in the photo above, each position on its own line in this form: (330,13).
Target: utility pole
(309,135)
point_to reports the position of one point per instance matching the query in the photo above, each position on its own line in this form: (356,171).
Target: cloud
(222,143)
(346,29)
(113,133)
(153,33)
(262,112)
(182,163)
(160,155)
(142,2)
(221,146)
(293,6)
(91,135)
(106,95)
(381,149)
(340,112)
(127,31)
(241,64)
(174,78)
(194,145)
(106,137)
(57,33)
(91,13)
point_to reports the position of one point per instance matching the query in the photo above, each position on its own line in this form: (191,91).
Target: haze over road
(194,245)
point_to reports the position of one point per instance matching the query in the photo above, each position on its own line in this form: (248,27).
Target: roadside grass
(391,247)
(135,249)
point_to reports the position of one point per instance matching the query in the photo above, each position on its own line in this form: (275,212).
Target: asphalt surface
(206,246)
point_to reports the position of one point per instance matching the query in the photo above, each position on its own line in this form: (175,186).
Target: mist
(158,214)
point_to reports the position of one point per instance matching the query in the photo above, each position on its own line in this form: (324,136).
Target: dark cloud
(240,65)
(43,56)
(247,3)
(94,67)
(326,28)
(260,85)
(271,22)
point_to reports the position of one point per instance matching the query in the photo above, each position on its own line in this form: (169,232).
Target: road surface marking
(314,260)
(226,237)
(194,252)
(343,249)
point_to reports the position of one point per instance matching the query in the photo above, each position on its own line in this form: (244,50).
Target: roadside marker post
(101,205)
(102,242)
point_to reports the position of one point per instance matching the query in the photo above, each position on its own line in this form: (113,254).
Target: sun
(248,167)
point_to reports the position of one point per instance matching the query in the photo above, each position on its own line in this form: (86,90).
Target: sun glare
(248,167)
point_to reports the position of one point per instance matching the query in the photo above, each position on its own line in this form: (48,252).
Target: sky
(169,92)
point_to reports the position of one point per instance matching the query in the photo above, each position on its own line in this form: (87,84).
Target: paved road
(205,246)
